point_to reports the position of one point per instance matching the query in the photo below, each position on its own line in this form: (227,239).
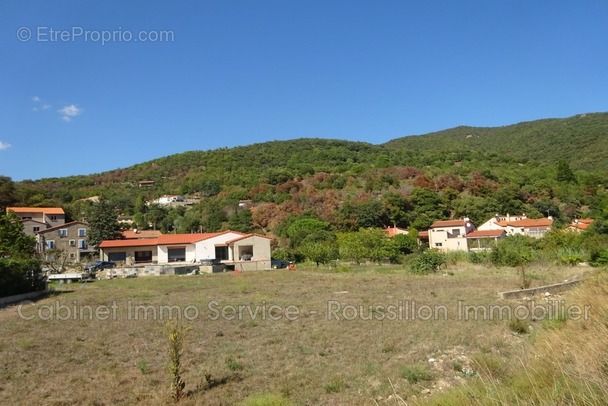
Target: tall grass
(566,363)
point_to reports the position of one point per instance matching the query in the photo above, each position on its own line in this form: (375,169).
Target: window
(72,243)
(438,244)
(176,254)
(50,244)
(35,229)
(221,253)
(245,252)
(53,218)
(143,256)
(82,244)
(117,256)
(82,232)
(455,231)
(63,232)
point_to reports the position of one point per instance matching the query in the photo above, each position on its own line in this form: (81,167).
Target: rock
(432,360)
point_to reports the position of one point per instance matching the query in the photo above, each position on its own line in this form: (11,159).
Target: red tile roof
(393,231)
(167,239)
(130,234)
(527,223)
(128,243)
(486,234)
(581,224)
(44,210)
(247,236)
(448,223)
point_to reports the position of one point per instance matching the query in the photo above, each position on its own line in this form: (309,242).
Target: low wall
(555,288)
(7,300)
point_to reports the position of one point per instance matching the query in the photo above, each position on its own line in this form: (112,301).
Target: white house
(250,251)
(450,235)
(168,199)
(519,225)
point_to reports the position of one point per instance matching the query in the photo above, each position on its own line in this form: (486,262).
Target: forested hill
(554,166)
(581,140)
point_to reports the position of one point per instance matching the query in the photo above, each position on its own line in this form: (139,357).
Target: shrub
(427,262)
(415,373)
(20,276)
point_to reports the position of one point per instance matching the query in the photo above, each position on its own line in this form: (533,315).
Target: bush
(416,373)
(20,276)
(599,257)
(480,257)
(427,262)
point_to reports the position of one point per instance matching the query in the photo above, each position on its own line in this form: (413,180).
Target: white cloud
(69,112)
(46,106)
(4,145)
(36,99)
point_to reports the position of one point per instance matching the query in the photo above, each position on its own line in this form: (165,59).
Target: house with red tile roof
(579,225)
(50,216)
(480,240)
(393,231)
(450,235)
(519,225)
(250,251)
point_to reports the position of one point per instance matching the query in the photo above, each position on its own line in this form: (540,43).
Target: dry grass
(309,360)
(565,363)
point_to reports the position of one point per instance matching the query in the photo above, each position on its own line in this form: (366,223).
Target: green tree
(241,221)
(14,243)
(103,224)
(303,228)
(19,269)
(564,173)
(8,193)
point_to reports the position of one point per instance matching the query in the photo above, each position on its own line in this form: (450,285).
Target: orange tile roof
(128,243)
(485,234)
(581,224)
(448,223)
(43,210)
(130,234)
(167,239)
(247,236)
(527,223)
(393,231)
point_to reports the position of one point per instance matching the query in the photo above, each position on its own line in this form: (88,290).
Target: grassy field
(308,337)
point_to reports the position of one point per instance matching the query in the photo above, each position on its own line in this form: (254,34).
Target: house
(450,235)
(32,227)
(146,183)
(168,199)
(579,225)
(480,240)
(492,224)
(536,228)
(393,231)
(48,216)
(249,251)
(69,238)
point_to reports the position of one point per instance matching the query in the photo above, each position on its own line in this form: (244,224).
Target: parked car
(99,265)
(278,264)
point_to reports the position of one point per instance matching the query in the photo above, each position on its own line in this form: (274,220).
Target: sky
(88,87)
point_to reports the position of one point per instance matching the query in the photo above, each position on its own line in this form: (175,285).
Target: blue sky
(81,92)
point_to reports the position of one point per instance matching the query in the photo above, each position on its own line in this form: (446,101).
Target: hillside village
(68,242)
